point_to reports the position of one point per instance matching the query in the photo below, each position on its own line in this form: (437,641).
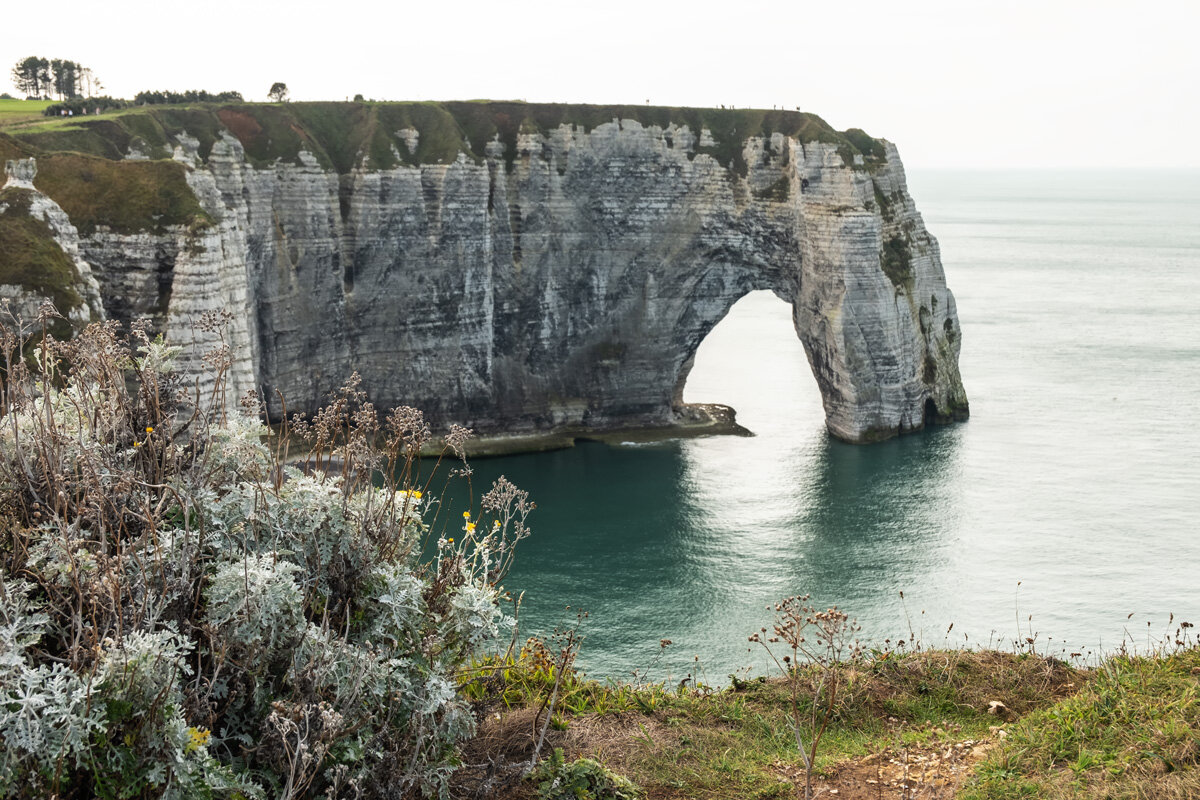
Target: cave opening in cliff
(931,412)
(753,361)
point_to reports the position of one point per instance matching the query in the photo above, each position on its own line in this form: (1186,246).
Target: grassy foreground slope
(913,725)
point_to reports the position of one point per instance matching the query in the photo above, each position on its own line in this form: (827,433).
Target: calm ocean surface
(1078,475)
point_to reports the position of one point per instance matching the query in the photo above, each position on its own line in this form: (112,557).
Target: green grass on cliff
(1133,731)
(909,726)
(81,166)
(126,196)
(29,255)
(692,741)
(340,135)
(17,111)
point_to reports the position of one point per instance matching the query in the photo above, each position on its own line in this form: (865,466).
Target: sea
(1063,517)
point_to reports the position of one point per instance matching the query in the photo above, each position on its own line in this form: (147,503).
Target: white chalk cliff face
(565,285)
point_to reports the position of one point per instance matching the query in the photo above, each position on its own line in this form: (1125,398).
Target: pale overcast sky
(1055,83)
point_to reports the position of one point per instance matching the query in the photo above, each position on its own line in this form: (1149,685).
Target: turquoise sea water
(1077,477)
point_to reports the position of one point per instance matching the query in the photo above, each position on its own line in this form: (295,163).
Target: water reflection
(691,540)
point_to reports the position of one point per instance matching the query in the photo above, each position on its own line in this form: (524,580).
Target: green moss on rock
(896,261)
(777,192)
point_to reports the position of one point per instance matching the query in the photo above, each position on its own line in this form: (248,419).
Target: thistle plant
(183,613)
(810,648)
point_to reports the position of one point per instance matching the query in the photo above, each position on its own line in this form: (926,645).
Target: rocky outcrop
(545,274)
(40,258)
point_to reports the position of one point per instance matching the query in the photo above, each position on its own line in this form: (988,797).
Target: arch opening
(753,361)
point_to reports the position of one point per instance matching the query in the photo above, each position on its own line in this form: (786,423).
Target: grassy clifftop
(84,162)
(340,135)
(85,174)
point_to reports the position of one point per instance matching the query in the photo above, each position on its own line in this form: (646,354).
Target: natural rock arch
(534,269)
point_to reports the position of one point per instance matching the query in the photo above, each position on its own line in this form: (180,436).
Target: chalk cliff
(523,268)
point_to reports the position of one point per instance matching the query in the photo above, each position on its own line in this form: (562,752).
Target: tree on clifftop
(39,77)
(66,78)
(31,76)
(278,93)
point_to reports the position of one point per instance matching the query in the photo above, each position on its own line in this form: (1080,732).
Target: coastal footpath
(519,269)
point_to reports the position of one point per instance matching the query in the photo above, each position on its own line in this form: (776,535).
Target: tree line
(156,98)
(77,88)
(41,78)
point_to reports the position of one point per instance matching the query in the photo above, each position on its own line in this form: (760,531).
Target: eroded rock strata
(531,269)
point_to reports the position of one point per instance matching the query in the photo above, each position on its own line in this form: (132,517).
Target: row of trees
(39,77)
(164,97)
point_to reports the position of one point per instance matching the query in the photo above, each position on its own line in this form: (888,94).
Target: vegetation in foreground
(184,615)
(978,725)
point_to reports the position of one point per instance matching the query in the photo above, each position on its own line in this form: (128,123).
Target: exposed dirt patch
(241,124)
(932,771)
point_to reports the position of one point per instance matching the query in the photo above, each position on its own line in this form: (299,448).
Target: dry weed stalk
(819,643)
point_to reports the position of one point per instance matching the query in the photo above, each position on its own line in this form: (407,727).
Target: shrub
(582,779)
(183,613)
(85,105)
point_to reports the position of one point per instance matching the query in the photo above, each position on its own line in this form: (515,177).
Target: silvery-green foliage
(395,607)
(21,624)
(255,606)
(475,614)
(183,769)
(140,683)
(161,571)
(305,520)
(193,612)
(235,453)
(144,669)
(155,355)
(45,717)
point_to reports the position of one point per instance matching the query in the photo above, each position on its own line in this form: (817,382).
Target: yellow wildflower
(197,738)
(466,515)
(470,527)
(149,429)
(137,444)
